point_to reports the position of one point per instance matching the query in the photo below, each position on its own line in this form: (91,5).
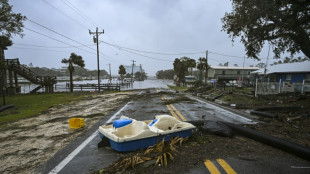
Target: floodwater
(63,86)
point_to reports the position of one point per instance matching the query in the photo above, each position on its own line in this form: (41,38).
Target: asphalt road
(83,155)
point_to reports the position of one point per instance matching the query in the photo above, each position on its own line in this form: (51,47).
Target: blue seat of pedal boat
(121,122)
(153,122)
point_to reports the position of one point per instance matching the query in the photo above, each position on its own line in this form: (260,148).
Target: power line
(77,11)
(150,52)
(83,14)
(59,34)
(146,56)
(64,14)
(62,36)
(41,49)
(56,39)
(160,53)
(41,46)
(225,55)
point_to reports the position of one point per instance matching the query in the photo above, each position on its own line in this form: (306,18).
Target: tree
(261,65)
(11,23)
(191,63)
(291,60)
(201,66)
(138,76)
(165,74)
(121,71)
(283,23)
(73,60)
(5,42)
(180,68)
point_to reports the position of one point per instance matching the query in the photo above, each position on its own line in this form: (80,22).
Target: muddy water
(30,142)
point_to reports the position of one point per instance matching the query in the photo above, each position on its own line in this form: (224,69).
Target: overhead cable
(150,52)
(64,14)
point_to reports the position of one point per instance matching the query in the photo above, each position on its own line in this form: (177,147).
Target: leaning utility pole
(96,41)
(206,67)
(133,64)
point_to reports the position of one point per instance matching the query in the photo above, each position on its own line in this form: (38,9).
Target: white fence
(265,88)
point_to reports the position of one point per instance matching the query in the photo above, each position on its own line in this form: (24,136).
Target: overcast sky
(159,26)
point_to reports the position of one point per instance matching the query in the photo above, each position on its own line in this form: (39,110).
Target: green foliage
(11,23)
(291,60)
(140,76)
(285,24)
(165,74)
(73,60)
(33,104)
(202,66)
(121,71)
(180,67)
(5,42)
(128,75)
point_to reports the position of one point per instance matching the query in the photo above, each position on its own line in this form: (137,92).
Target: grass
(178,88)
(28,105)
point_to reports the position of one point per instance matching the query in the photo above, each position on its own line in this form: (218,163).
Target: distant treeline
(170,73)
(165,74)
(78,71)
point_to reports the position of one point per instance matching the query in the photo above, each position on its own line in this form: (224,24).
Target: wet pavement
(85,156)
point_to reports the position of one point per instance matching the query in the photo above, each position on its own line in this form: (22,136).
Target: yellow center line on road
(226,166)
(171,111)
(211,167)
(176,111)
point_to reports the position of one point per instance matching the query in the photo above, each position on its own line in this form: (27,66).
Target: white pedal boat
(126,134)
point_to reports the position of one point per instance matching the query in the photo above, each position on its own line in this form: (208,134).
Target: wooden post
(280,86)
(256,88)
(302,88)
(11,78)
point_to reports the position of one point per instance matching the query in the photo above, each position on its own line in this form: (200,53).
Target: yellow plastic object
(76,123)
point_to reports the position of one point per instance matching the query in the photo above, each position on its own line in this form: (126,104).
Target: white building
(129,69)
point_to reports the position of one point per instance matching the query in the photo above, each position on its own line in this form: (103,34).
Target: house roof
(234,67)
(297,67)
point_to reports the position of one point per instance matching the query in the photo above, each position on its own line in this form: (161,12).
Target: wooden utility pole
(110,73)
(141,73)
(206,76)
(242,70)
(96,41)
(133,64)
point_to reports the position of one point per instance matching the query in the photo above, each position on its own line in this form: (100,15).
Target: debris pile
(157,155)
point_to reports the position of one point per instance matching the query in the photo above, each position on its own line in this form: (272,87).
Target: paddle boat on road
(127,134)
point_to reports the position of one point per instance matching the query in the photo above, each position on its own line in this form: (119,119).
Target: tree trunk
(303,41)
(71,81)
(2,77)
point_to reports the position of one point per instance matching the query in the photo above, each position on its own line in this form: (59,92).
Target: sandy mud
(27,143)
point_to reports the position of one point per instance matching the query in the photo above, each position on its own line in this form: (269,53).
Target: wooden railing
(14,65)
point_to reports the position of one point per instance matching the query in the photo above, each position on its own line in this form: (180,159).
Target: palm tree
(73,60)
(122,72)
(191,64)
(201,66)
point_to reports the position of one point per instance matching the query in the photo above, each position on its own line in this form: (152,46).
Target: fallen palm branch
(162,152)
